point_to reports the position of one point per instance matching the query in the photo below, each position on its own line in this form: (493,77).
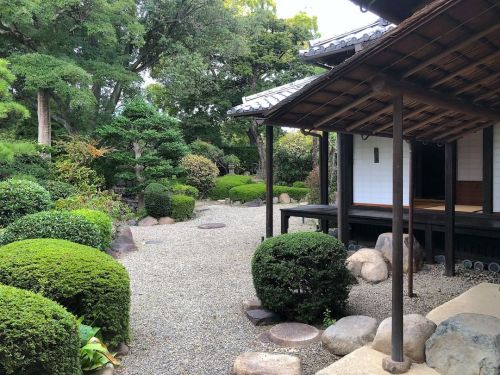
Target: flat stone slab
(153,242)
(349,333)
(211,225)
(480,299)
(255,363)
(262,317)
(294,335)
(366,361)
(251,304)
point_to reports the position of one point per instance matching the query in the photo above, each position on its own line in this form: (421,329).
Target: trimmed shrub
(294,192)
(300,275)
(86,281)
(103,221)
(207,150)
(21,197)
(182,207)
(53,224)
(299,184)
(157,200)
(37,335)
(59,189)
(245,193)
(225,183)
(200,173)
(181,189)
(101,201)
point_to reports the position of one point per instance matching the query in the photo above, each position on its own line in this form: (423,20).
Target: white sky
(334,16)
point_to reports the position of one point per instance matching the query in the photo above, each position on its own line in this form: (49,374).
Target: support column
(269,181)
(344,183)
(488,170)
(323,176)
(410,219)
(450,178)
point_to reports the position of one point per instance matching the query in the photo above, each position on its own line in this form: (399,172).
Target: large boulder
(368,264)
(465,344)
(148,221)
(384,244)
(255,363)
(284,198)
(349,334)
(416,330)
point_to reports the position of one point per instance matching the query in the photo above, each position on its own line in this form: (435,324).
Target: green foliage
(103,221)
(53,224)
(313,183)
(299,184)
(200,172)
(293,157)
(248,155)
(327,319)
(27,164)
(21,197)
(207,150)
(104,201)
(37,335)
(157,200)
(93,353)
(9,150)
(8,106)
(245,193)
(225,183)
(182,207)
(86,281)
(182,189)
(300,275)
(294,192)
(81,176)
(59,189)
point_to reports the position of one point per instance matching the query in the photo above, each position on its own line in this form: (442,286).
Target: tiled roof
(262,101)
(346,41)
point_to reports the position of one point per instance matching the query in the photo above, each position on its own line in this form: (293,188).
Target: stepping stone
(294,335)
(211,225)
(255,363)
(153,242)
(251,304)
(148,221)
(262,317)
(166,220)
(349,333)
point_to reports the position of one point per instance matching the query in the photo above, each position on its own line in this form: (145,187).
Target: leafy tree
(146,145)
(7,104)
(293,156)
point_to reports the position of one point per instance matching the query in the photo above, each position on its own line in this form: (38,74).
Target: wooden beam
(450,178)
(269,181)
(343,161)
(323,176)
(411,202)
(488,170)
(473,129)
(458,129)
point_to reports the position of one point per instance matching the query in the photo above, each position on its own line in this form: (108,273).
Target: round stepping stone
(294,335)
(349,333)
(255,363)
(211,225)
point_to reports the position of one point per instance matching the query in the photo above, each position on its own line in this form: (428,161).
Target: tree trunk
(315,152)
(138,173)
(256,139)
(44,131)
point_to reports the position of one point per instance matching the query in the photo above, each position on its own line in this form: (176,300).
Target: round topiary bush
(157,200)
(225,183)
(86,281)
(103,221)
(301,275)
(182,207)
(181,189)
(200,172)
(53,224)
(59,189)
(37,335)
(246,193)
(21,197)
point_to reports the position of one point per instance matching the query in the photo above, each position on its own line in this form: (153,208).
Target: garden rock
(255,363)
(384,244)
(349,334)
(276,200)
(255,203)
(106,370)
(465,344)
(131,222)
(148,221)
(122,350)
(262,317)
(368,264)
(124,241)
(284,198)
(251,304)
(166,220)
(294,335)
(416,330)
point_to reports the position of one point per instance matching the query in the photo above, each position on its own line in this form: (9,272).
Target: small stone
(131,222)
(124,241)
(334,232)
(394,367)
(349,334)
(251,304)
(148,221)
(122,350)
(284,198)
(106,370)
(275,200)
(236,203)
(368,264)
(384,244)
(211,225)
(254,363)
(221,200)
(166,220)
(294,335)
(255,203)
(262,317)
(293,200)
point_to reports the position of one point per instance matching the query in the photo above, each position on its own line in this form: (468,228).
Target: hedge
(59,189)
(301,275)
(296,193)
(103,221)
(225,183)
(157,200)
(37,335)
(182,207)
(86,281)
(53,224)
(181,189)
(21,197)
(245,193)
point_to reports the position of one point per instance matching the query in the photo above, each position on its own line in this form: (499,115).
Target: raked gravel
(188,285)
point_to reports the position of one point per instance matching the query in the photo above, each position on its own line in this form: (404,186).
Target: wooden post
(397,231)
(411,201)
(343,203)
(450,178)
(269,181)
(323,176)
(488,170)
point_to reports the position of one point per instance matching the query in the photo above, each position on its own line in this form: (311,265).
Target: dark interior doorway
(429,171)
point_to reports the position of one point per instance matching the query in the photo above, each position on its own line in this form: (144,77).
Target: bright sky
(334,16)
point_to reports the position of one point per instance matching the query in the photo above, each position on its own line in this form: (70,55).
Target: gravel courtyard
(188,285)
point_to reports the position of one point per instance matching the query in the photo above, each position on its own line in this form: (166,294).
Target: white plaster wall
(372,182)
(470,157)
(496,168)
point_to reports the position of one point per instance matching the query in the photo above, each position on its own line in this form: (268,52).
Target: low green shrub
(182,189)
(59,189)
(37,335)
(301,275)
(103,221)
(21,197)
(245,193)
(157,200)
(53,224)
(200,173)
(104,201)
(296,193)
(182,207)
(86,281)
(299,184)
(225,183)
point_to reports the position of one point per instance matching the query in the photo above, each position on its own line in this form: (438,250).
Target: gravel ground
(187,289)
